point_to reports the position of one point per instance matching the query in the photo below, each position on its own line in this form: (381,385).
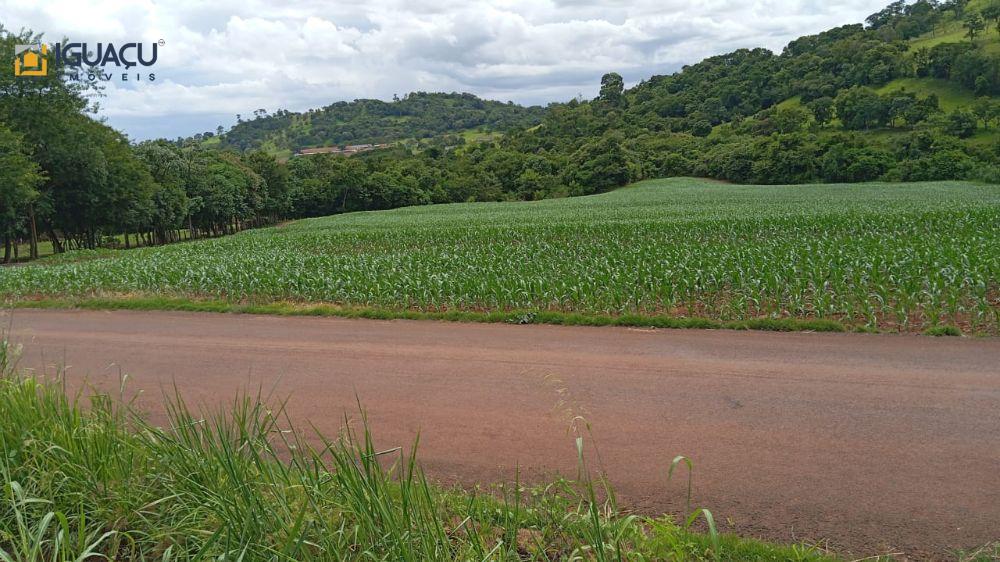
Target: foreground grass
(87,477)
(902,257)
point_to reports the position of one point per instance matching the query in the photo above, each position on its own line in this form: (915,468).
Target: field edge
(289,308)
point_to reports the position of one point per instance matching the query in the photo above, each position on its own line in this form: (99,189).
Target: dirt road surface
(872,443)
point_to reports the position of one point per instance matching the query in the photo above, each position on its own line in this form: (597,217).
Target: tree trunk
(6,248)
(127,245)
(33,251)
(57,246)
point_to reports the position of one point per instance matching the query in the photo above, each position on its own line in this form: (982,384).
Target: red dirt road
(873,443)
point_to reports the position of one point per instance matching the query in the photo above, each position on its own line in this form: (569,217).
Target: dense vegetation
(825,109)
(910,96)
(87,481)
(418,115)
(887,256)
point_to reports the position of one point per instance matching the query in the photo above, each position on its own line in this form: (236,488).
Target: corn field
(889,256)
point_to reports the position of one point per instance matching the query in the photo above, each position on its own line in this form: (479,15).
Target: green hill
(415,116)
(910,94)
(895,53)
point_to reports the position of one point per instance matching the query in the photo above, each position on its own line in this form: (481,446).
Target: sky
(226,57)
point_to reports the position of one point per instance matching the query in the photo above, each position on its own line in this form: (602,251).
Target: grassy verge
(285,308)
(89,478)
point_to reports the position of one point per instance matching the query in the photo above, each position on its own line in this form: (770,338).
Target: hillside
(910,94)
(415,116)
(922,48)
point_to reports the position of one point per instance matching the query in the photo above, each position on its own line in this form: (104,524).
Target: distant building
(320,150)
(347,150)
(358,147)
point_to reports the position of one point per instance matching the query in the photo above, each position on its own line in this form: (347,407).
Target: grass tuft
(939,331)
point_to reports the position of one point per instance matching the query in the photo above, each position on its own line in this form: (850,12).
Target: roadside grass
(987,553)
(943,331)
(508,317)
(87,477)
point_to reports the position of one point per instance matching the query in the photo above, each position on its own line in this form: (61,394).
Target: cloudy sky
(225,57)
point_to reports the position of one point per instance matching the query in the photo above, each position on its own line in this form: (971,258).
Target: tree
(170,170)
(224,192)
(960,123)
(701,128)
(784,158)
(126,197)
(992,13)
(598,166)
(986,109)
(612,88)
(921,109)
(847,160)
(900,105)
(861,108)
(392,187)
(326,184)
(277,199)
(974,25)
(887,16)
(19,176)
(941,165)
(821,109)
(72,205)
(957,7)
(44,111)
(532,184)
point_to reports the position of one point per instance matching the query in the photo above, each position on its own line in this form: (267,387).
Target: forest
(417,115)
(912,94)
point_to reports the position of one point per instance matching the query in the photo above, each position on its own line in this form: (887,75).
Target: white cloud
(234,56)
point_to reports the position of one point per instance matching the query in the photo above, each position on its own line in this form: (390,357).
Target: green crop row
(903,256)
